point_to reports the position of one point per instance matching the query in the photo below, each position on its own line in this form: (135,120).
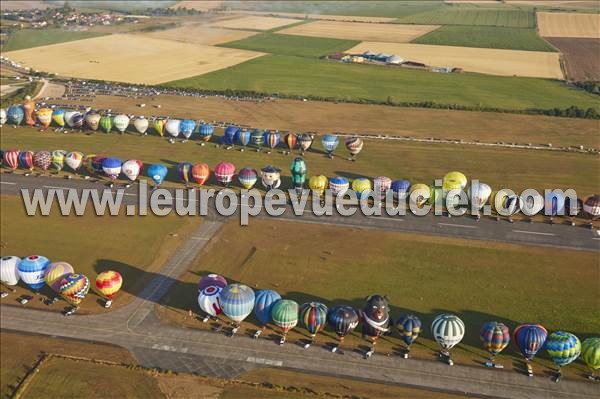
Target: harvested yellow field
(130,58)
(490,61)
(558,3)
(349,18)
(254,22)
(361,31)
(201,34)
(564,24)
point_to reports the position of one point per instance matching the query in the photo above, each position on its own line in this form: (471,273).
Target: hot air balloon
(479,194)
(96,163)
(272,139)
(9,270)
(361,186)
(305,141)
(200,173)
(451,182)
(15,114)
(591,206)
(573,208)
(554,205)
(318,184)
(270,177)
(354,146)
(3,116)
(495,337)
(530,338)
(284,313)
(211,280)
(112,167)
(42,160)
(54,272)
(313,316)
(448,330)
(157,172)
(172,127)
(409,328)
(132,169)
(590,354)
(298,171)
(381,185)
(400,189)
(74,160)
(184,169)
(375,319)
(26,160)
(257,139)
(141,125)
(206,131)
(106,123)
(291,140)
(58,116)
(419,194)
(209,301)
(159,126)
(74,287)
(243,138)
(262,308)
(44,116)
(563,348)
(187,127)
(28,108)
(120,122)
(338,185)
(343,320)
(108,284)
(229,135)
(247,177)
(58,159)
(73,118)
(92,119)
(330,143)
(237,302)
(508,202)
(32,269)
(224,172)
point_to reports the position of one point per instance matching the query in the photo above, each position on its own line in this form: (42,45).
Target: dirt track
(300,116)
(582,56)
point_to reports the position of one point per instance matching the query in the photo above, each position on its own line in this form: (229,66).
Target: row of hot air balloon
(237,301)
(185,128)
(36,271)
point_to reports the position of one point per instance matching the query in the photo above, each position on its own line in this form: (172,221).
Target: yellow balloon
(419,193)
(318,183)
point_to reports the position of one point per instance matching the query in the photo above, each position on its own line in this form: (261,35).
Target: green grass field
(28,38)
(473,14)
(486,37)
(302,46)
(315,77)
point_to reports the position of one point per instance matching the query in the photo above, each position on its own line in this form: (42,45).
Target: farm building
(394,59)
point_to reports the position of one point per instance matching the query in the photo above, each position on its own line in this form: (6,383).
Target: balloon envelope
(409,327)
(42,159)
(132,169)
(263,303)
(157,172)
(58,116)
(229,135)
(55,271)
(284,313)
(121,122)
(200,173)
(32,269)
(298,170)
(381,186)
(338,185)
(590,352)
(26,160)
(108,283)
(11,158)
(448,330)
(140,124)
(58,159)
(224,172)
(92,119)
(342,319)
(361,186)
(243,137)
(112,167)
(330,142)
(44,116)
(563,347)
(494,336)
(209,300)
(9,270)
(184,170)
(3,116)
(206,131)
(15,114)
(106,123)
(74,160)
(354,145)
(313,316)
(211,280)
(530,338)
(305,141)
(172,127)
(291,140)
(247,177)
(318,184)
(272,139)
(237,301)
(74,287)
(400,189)
(187,127)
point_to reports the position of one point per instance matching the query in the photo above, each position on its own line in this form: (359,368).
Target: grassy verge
(27,38)
(480,281)
(486,37)
(301,46)
(323,79)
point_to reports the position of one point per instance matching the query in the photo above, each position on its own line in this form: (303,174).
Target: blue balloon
(237,301)
(157,172)
(330,142)
(111,163)
(187,127)
(243,137)
(229,135)
(206,131)
(263,303)
(400,188)
(15,114)
(31,270)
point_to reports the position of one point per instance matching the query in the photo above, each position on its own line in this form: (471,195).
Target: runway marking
(169,348)
(7,182)
(57,188)
(595,238)
(533,232)
(384,218)
(457,225)
(260,360)
(129,194)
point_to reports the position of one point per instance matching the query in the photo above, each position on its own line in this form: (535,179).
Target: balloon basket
(334,348)
(282,341)
(86,178)
(205,319)
(592,377)
(107,304)
(257,334)
(306,345)
(557,377)
(369,353)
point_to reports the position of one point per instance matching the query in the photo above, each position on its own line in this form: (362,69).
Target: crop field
(495,37)
(423,275)
(300,15)
(474,14)
(303,46)
(322,117)
(28,38)
(96,59)
(254,22)
(351,81)
(201,34)
(134,246)
(555,24)
(489,61)
(360,31)
(200,5)
(420,162)
(581,56)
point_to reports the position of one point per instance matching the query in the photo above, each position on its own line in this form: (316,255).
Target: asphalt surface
(558,234)
(155,344)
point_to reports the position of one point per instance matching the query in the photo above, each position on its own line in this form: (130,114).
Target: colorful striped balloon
(11,158)
(285,314)
(58,159)
(206,131)
(263,304)
(184,169)
(361,186)
(54,272)
(108,283)
(291,140)
(313,316)
(237,301)
(530,338)
(243,137)
(187,127)
(200,173)
(229,135)
(409,326)
(354,145)
(247,178)
(26,160)
(381,186)
(44,116)
(257,138)
(58,116)
(42,159)
(272,139)
(563,348)
(106,123)
(74,160)
(590,352)
(495,337)
(224,172)
(338,185)
(330,142)
(32,270)
(74,287)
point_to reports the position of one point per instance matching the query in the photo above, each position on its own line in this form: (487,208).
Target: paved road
(556,235)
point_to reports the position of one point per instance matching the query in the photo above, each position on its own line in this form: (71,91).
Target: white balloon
(2,116)
(479,193)
(121,122)
(141,124)
(172,127)
(208,300)
(131,169)
(9,270)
